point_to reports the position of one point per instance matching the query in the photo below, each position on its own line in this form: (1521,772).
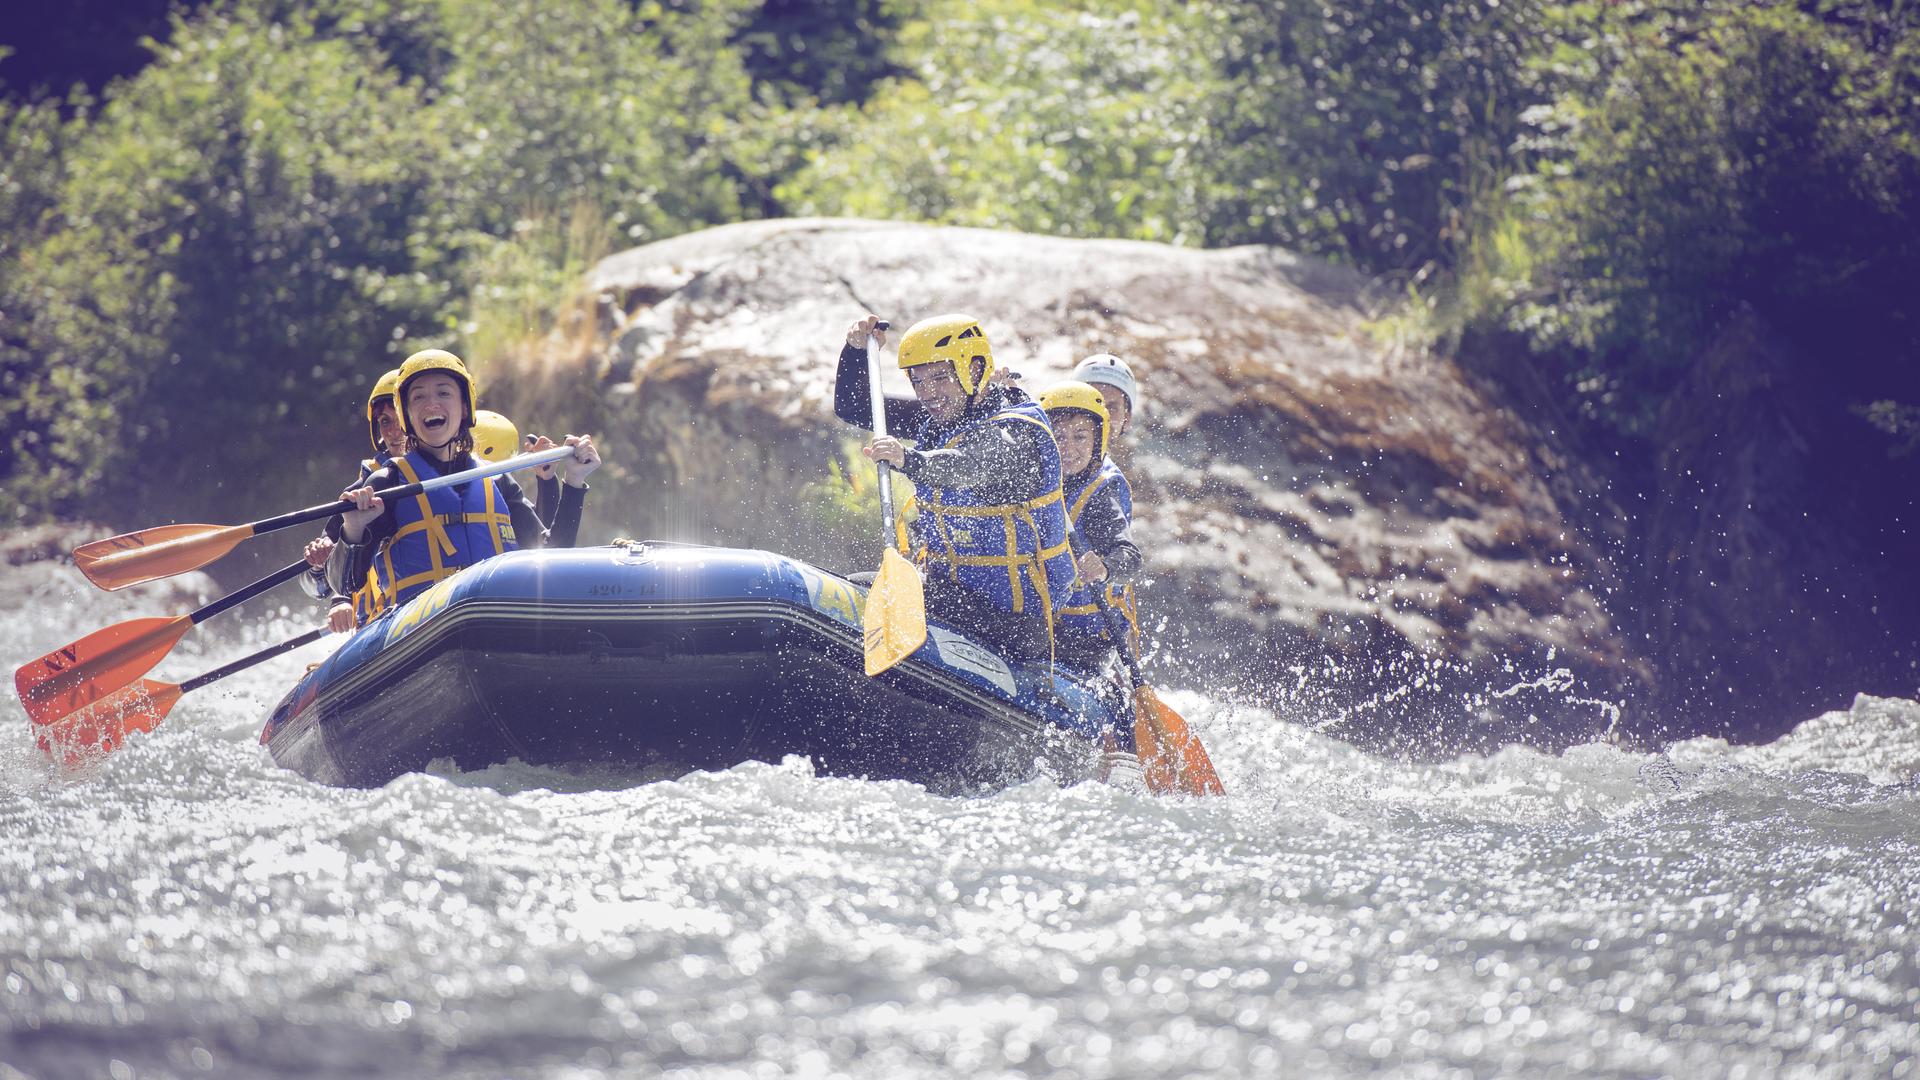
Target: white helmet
(1113,371)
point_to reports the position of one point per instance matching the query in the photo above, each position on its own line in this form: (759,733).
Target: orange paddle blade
(1171,754)
(152,554)
(79,674)
(895,621)
(103,726)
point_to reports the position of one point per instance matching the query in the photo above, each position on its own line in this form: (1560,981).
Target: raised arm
(852,397)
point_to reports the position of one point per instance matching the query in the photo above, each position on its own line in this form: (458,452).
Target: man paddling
(991,537)
(432,536)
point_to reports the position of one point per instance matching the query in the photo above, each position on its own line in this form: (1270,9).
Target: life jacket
(1016,555)
(1079,612)
(440,532)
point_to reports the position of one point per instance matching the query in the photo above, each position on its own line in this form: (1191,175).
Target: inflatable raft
(683,656)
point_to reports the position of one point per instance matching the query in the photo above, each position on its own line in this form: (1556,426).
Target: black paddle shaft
(246,662)
(404,491)
(1118,634)
(235,599)
(316,513)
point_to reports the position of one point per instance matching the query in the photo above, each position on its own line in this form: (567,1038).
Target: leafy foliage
(827,53)
(32,161)
(219,253)
(1074,119)
(1362,130)
(233,248)
(292,196)
(1701,158)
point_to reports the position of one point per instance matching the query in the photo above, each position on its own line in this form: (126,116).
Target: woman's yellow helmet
(1079,395)
(956,339)
(435,360)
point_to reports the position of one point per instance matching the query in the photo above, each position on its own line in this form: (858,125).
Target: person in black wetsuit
(384,432)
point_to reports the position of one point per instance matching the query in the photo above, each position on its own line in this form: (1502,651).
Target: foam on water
(189,909)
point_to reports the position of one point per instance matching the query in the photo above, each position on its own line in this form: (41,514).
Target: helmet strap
(459,444)
(976,374)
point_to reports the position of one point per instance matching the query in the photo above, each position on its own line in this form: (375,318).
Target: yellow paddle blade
(152,554)
(1169,752)
(896,616)
(79,674)
(103,726)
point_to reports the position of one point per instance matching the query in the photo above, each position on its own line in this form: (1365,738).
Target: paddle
(103,726)
(1169,751)
(166,550)
(895,621)
(106,660)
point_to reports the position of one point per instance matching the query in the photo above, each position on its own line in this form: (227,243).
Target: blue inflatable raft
(660,654)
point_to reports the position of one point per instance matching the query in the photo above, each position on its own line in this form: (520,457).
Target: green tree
(1363,131)
(829,52)
(292,196)
(235,249)
(1703,157)
(33,141)
(1072,119)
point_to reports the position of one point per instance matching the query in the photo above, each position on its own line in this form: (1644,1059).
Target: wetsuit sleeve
(546,498)
(1002,461)
(528,529)
(314,581)
(565,532)
(349,561)
(1105,528)
(853,400)
(346,561)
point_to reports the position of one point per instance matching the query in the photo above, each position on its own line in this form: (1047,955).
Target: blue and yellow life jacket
(440,532)
(368,600)
(1015,555)
(1079,612)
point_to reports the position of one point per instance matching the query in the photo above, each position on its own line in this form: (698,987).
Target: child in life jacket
(1100,511)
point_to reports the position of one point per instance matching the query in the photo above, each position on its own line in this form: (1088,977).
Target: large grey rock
(1356,533)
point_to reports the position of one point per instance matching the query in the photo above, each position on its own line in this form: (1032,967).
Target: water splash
(186,908)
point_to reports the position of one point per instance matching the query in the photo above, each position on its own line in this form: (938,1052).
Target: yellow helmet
(435,360)
(956,339)
(494,436)
(1078,395)
(386,387)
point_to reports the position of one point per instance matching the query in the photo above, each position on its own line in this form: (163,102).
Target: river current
(188,909)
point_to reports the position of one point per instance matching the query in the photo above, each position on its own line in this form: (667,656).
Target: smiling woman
(421,541)
(437,413)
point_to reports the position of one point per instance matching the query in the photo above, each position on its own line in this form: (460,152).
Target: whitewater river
(188,909)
